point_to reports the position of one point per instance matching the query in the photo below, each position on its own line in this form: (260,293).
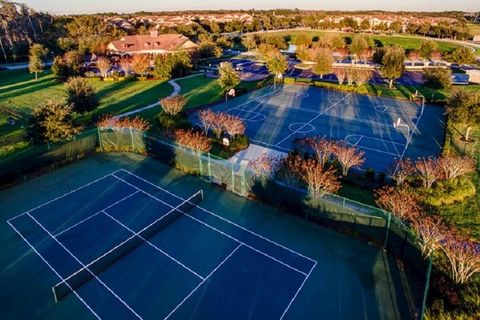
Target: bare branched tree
(193,139)
(348,156)
(453,167)
(400,203)
(427,171)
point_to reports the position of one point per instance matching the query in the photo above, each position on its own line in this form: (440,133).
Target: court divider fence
(360,220)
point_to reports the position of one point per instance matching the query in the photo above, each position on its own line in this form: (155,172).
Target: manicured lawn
(410,42)
(474,28)
(21,92)
(203,90)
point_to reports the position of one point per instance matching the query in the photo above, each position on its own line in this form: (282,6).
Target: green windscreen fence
(46,156)
(370,223)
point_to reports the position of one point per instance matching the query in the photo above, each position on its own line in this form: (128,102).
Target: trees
(53,122)
(118,124)
(303,39)
(267,50)
(393,64)
(348,156)
(462,55)
(320,180)
(304,53)
(67,66)
(126,65)
(81,95)
(229,78)
(359,76)
(233,125)
(193,139)
(359,43)
(60,69)
(173,105)
(323,62)
(35,59)
(277,64)
(220,122)
(321,147)
(341,74)
(431,232)
(453,167)
(103,65)
(427,171)
(401,203)
(464,107)
(427,48)
(463,255)
(401,171)
(250,42)
(437,79)
(141,64)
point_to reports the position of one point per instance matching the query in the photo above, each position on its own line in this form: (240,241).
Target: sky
(122,6)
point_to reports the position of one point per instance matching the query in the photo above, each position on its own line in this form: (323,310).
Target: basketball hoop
(231,92)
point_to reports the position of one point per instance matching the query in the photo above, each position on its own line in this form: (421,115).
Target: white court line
(53,269)
(63,195)
(114,248)
(200,284)
(96,213)
(409,140)
(298,291)
(154,246)
(270,145)
(220,217)
(313,119)
(83,265)
(213,228)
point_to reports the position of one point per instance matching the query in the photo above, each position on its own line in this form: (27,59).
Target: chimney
(154,33)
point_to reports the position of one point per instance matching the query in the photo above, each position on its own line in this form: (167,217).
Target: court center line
(64,195)
(83,265)
(112,249)
(200,284)
(313,119)
(96,213)
(154,246)
(53,269)
(220,217)
(298,291)
(223,233)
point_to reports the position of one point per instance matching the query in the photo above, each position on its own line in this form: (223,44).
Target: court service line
(54,271)
(219,231)
(298,291)
(83,265)
(408,141)
(200,284)
(314,118)
(96,213)
(154,246)
(220,217)
(63,195)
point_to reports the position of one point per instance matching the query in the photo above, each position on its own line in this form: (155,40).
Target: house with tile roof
(153,43)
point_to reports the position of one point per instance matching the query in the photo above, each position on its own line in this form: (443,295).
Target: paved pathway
(176,91)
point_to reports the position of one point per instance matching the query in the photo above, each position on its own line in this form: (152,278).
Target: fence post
(209,166)
(425,291)
(233,179)
(131,139)
(200,166)
(387,231)
(99,139)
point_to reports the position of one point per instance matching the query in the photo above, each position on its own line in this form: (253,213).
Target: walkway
(176,91)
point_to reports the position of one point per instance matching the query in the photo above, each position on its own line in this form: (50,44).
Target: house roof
(151,43)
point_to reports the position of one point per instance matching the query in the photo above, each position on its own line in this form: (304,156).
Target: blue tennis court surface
(198,266)
(275,119)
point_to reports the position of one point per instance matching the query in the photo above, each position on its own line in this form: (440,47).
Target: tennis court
(129,249)
(386,129)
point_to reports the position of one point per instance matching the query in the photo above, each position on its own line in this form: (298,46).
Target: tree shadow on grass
(113,88)
(28,88)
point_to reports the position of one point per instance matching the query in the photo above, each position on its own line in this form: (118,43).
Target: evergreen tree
(81,95)
(52,121)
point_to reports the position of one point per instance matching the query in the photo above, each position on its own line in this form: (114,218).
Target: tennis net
(91,270)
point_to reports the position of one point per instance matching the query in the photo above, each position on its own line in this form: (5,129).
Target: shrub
(81,95)
(53,122)
(450,191)
(173,105)
(170,122)
(240,142)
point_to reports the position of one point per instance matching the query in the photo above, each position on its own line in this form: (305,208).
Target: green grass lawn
(20,91)
(406,42)
(202,90)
